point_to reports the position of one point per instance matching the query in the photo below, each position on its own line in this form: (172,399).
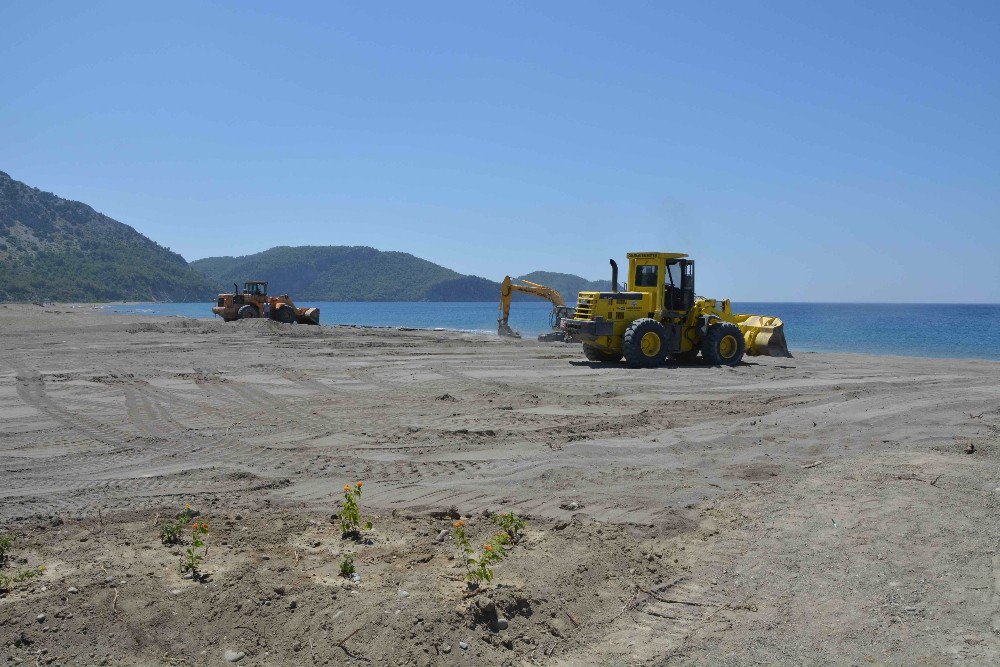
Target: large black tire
(723,345)
(645,343)
(247,312)
(600,356)
(285,315)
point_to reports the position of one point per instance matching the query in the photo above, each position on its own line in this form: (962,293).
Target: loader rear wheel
(723,345)
(247,312)
(600,356)
(285,314)
(644,343)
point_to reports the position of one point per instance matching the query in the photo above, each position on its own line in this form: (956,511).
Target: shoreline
(483,332)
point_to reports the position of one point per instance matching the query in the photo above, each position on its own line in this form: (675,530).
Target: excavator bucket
(503,329)
(307,315)
(765,336)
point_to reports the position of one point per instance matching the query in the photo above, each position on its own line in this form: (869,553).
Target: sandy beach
(814,510)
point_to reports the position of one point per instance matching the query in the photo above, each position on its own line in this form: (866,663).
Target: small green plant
(350,513)
(347,566)
(511,524)
(6,540)
(172,531)
(464,546)
(479,567)
(493,552)
(7,579)
(191,562)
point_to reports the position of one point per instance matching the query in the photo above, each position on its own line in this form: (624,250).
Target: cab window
(645,276)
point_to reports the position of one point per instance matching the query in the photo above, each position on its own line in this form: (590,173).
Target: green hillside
(53,249)
(348,273)
(360,273)
(567,284)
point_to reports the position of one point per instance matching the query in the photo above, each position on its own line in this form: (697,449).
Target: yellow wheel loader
(658,316)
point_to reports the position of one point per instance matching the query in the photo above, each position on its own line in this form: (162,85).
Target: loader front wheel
(285,315)
(600,356)
(723,345)
(644,343)
(247,312)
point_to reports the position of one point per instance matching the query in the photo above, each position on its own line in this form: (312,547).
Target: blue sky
(799,151)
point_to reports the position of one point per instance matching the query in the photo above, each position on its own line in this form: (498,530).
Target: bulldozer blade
(308,315)
(764,335)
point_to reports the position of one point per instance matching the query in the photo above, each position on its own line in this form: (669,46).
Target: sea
(922,330)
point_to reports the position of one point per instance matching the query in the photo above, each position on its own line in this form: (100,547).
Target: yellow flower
(187,506)
(41,568)
(347,488)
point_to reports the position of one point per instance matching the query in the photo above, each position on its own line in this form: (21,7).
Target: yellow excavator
(560,310)
(658,316)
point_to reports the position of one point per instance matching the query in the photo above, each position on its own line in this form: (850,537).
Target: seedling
(347,566)
(6,540)
(464,546)
(479,568)
(350,513)
(511,524)
(172,531)
(7,579)
(191,562)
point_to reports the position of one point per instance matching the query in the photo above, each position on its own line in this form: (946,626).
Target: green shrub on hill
(55,249)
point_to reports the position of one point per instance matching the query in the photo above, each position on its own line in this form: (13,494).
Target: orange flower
(488,547)
(195,526)
(204,527)
(347,488)
(360,484)
(459,523)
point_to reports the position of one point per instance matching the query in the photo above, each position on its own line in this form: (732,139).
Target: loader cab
(255,288)
(668,277)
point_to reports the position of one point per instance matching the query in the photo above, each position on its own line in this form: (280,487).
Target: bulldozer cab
(255,288)
(668,277)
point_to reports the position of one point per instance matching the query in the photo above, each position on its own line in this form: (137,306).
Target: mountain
(567,284)
(348,273)
(360,273)
(56,249)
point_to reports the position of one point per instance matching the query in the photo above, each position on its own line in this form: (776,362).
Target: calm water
(908,329)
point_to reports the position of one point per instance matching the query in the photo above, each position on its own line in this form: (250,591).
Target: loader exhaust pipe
(614,275)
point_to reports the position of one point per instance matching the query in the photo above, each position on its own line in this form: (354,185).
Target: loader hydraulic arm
(507,289)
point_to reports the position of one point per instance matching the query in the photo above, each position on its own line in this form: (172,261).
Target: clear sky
(816,151)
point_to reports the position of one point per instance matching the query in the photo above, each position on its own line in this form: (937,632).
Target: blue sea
(925,330)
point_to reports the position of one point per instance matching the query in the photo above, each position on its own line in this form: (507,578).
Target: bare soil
(815,510)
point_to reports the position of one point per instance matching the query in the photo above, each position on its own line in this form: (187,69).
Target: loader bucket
(308,315)
(765,336)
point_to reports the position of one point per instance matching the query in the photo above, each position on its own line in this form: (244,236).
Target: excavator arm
(507,289)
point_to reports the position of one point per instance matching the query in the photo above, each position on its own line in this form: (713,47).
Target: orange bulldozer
(254,301)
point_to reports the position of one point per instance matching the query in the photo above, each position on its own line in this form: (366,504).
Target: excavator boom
(507,289)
